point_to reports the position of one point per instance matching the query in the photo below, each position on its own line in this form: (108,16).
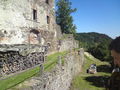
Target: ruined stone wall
(67,42)
(58,31)
(61,76)
(32,22)
(22,20)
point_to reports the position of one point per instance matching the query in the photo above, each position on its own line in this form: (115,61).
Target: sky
(101,16)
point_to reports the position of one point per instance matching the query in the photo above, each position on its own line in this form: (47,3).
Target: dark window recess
(5,32)
(34,31)
(48,20)
(47,1)
(34,14)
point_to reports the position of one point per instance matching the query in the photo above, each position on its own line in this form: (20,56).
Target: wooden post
(41,69)
(59,61)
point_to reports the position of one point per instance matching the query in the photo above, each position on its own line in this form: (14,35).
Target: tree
(64,18)
(100,51)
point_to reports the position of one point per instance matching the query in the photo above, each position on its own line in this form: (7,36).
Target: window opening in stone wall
(5,32)
(34,37)
(48,44)
(47,1)
(34,14)
(34,31)
(48,20)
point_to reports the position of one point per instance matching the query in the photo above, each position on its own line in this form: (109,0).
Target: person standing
(114,81)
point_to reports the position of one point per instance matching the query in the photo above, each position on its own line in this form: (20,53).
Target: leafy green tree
(64,18)
(100,51)
(96,44)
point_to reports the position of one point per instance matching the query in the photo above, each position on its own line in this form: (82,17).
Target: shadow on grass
(104,68)
(98,81)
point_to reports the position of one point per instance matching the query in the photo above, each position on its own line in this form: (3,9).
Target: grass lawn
(52,60)
(85,81)
(19,78)
(14,80)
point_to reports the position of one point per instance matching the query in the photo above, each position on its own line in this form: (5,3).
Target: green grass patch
(14,80)
(52,60)
(85,81)
(19,78)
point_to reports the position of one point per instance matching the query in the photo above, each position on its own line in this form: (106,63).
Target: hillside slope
(95,43)
(92,38)
(85,81)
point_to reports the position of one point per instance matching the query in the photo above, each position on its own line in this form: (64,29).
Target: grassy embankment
(85,81)
(15,80)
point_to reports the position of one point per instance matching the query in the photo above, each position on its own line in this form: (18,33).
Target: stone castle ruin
(27,22)
(28,31)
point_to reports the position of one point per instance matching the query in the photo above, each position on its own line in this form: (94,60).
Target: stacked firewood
(12,61)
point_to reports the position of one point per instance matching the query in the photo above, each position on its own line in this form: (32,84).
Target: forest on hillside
(95,43)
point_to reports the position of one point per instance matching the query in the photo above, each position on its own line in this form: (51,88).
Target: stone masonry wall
(60,77)
(67,42)
(19,26)
(22,20)
(16,58)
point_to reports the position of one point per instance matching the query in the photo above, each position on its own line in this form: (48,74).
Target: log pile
(12,61)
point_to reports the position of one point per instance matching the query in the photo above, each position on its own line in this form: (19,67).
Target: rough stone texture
(59,33)
(61,76)
(17,25)
(22,36)
(25,27)
(67,42)
(16,58)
